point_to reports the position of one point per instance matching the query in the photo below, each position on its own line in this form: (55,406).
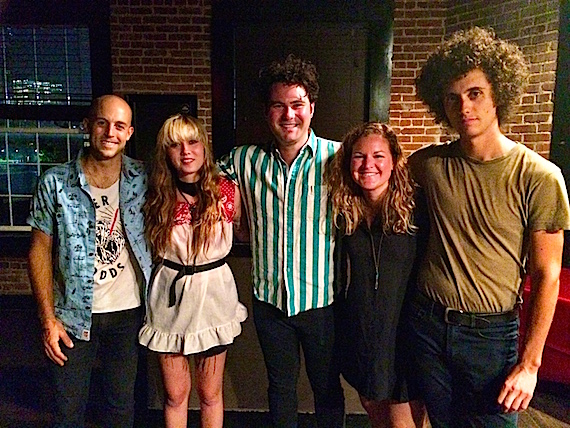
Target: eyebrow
(374,152)
(471,88)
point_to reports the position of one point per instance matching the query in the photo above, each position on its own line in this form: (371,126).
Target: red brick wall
(163,46)
(14,276)
(420,25)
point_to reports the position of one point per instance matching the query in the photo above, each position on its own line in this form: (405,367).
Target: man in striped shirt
(292,240)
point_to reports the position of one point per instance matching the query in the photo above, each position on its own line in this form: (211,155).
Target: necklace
(376,257)
(188,188)
(191,205)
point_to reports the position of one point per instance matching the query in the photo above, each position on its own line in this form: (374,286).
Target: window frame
(93,14)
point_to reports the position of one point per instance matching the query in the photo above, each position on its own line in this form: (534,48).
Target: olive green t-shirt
(481,215)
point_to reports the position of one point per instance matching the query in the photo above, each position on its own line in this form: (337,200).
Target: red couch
(556,358)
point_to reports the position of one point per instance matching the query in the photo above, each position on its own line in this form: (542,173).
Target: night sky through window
(45,65)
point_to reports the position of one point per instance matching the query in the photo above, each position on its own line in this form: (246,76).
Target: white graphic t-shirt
(116,285)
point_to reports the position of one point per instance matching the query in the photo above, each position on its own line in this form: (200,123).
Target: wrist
(531,366)
(48,320)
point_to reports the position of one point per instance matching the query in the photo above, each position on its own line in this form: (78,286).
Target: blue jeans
(457,370)
(280,338)
(114,340)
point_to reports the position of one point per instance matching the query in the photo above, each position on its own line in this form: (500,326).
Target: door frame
(377,17)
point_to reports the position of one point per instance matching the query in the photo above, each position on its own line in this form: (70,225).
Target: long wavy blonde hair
(161,199)
(349,206)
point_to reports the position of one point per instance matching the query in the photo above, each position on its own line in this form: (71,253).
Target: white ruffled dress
(207,312)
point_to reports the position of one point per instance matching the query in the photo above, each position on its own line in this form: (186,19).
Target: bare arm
(41,276)
(545,261)
(241,229)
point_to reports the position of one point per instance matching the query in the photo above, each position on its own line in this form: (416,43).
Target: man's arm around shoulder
(40,270)
(545,263)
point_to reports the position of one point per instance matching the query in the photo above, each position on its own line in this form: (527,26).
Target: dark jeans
(459,371)
(114,341)
(280,338)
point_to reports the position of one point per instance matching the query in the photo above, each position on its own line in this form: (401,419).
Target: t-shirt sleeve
(42,207)
(416,164)
(548,202)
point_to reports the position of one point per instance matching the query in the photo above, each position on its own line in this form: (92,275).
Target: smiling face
(371,165)
(289,113)
(109,128)
(187,159)
(469,106)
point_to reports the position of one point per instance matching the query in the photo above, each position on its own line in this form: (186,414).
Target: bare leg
(389,414)
(209,384)
(175,371)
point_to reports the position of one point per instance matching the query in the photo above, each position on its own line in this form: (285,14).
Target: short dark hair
(476,48)
(291,71)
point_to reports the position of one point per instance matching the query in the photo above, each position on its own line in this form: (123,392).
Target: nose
(288,112)
(366,161)
(109,130)
(465,104)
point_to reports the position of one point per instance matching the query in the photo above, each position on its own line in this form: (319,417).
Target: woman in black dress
(373,205)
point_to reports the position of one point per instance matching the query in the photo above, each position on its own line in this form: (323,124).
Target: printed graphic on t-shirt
(110,241)
(109,237)
(116,286)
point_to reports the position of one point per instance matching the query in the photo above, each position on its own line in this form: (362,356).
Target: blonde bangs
(181,128)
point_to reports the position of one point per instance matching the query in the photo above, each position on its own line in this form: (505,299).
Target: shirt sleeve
(42,208)
(548,203)
(226,164)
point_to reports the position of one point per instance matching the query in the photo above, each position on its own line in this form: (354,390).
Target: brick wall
(163,46)
(420,25)
(14,276)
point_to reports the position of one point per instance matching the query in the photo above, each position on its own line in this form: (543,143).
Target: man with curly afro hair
(292,243)
(497,213)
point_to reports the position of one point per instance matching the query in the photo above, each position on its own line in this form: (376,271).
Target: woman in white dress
(192,302)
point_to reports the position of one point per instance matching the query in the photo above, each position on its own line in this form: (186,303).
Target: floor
(25,396)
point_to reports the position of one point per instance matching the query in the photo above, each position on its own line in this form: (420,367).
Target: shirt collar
(311,144)
(77,175)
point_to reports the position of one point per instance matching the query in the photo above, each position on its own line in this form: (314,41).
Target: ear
(86,126)
(312,109)
(130,133)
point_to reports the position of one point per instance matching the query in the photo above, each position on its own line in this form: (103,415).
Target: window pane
(23,179)
(45,65)
(3,178)
(4,211)
(53,148)
(21,210)
(17,123)
(76,143)
(3,152)
(22,148)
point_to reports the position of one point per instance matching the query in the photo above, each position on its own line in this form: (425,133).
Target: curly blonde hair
(476,48)
(161,199)
(348,201)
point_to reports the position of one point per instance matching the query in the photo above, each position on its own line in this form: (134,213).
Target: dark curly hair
(476,48)
(291,71)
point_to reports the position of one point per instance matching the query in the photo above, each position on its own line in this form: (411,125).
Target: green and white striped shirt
(290,220)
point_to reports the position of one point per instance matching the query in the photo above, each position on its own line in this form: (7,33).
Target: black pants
(280,338)
(114,340)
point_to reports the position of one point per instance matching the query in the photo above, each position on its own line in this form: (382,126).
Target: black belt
(467,319)
(184,270)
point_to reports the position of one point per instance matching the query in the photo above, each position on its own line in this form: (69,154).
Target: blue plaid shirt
(63,209)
